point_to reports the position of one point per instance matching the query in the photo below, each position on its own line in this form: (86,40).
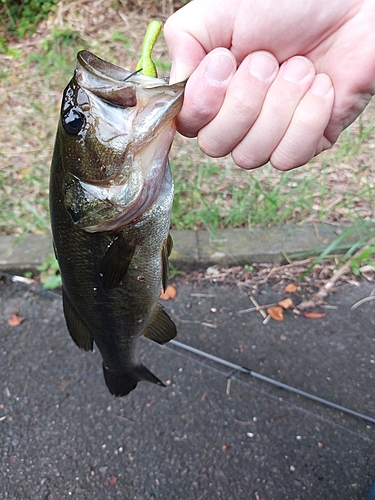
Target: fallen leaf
(112,480)
(313,315)
(15,320)
(276,313)
(291,288)
(170,293)
(286,303)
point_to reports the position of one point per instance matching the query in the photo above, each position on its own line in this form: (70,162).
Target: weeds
(49,273)
(23,17)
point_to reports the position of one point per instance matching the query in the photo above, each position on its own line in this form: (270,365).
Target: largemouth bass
(111,194)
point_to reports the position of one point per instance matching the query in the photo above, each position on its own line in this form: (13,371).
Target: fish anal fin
(115,263)
(161,328)
(121,383)
(77,328)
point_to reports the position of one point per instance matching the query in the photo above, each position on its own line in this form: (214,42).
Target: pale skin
(272,80)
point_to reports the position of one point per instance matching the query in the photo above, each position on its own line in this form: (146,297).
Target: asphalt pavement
(64,436)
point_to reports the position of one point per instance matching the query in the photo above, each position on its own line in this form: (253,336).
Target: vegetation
(21,17)
(337,187)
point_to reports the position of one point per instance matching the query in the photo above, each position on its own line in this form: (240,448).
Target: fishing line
(287,387)
(211,357)
(254,387)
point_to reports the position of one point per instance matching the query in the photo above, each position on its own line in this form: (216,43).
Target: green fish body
(111,194)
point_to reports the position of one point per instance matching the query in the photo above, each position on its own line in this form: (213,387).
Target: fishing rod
(235,368)
(247,371)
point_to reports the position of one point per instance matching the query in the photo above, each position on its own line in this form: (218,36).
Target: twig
(203,295)
(227,391)
(251,309)
(258,307)
(339,272)
(266,320)
(208,325)
(287,266)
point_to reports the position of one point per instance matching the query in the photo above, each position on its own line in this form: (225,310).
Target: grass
(337,187)
(214,196)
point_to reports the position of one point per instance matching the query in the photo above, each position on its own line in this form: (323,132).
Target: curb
(197,249)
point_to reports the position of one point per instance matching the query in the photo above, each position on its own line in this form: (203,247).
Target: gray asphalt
(62,435)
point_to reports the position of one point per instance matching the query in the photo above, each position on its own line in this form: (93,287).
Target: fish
(111,193)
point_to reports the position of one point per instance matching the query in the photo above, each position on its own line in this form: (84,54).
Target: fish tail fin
(121,383)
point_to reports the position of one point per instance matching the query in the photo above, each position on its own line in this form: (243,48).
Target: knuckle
(244,160)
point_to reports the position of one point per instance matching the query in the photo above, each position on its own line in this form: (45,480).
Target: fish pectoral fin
(161,328)
(115,263)
(77,328)
(165,253)
(169,244)
(121,383)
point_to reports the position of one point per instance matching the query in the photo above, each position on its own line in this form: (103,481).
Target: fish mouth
(142,110)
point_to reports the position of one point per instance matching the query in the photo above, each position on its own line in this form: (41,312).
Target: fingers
(304,137)
(260,112)
(292,82)
(242,104)
(205,91)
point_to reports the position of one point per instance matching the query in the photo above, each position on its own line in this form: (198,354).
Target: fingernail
(262,65)
(179,72)
(172,75)
(219,68)
(295,69)
(321,85)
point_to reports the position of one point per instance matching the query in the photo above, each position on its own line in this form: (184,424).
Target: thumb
(185,51)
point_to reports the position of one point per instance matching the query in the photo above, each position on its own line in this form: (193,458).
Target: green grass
(212,197)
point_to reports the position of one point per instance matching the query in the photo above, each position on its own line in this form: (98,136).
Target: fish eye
(73,122)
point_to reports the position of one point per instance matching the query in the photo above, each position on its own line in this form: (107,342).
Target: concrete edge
(197,249)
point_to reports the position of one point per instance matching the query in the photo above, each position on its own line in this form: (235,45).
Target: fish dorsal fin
(77,328)
(115,263)
(161,328)
(165,253)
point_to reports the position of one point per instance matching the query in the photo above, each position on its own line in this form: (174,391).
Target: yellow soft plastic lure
(145,64)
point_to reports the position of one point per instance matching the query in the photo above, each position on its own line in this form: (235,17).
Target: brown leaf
(170,293)
(286,303)
(15,320)
(290,288)
(276,313)
(313,315)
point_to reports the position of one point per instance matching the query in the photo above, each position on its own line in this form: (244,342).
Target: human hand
(239,100)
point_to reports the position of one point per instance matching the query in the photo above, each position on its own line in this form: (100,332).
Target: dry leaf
(15,320)
(276,313)
(170,293)
(291,288)
(286,303)
(112,480)
(313,315)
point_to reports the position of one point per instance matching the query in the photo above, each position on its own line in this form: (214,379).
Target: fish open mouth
(130,128)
